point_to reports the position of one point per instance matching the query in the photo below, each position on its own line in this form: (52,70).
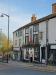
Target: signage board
(53,46)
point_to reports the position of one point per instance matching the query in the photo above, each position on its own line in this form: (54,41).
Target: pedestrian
(31,57)
(7,58)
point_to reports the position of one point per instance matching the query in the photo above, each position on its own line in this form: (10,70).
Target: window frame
(34,39)
(34,28)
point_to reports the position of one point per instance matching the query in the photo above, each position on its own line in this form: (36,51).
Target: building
(37,39)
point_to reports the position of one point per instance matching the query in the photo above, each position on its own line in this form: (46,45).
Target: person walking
(31,57)
(7,58)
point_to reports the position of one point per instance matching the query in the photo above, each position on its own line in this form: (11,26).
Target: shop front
(36,54)
(52,54)
(31,54)
(16,54)
(28,53)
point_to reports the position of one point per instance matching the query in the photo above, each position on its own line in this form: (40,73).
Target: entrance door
(36,54)
(43,54)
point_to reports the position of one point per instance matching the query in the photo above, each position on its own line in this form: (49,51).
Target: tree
(4,44)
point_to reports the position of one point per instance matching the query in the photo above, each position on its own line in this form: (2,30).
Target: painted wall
(20,39)
(31,50)
(52,30)
(42,28)
(14,39)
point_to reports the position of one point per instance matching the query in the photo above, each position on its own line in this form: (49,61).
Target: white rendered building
(37,38)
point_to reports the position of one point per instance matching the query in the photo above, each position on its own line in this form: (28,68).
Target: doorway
(43,54)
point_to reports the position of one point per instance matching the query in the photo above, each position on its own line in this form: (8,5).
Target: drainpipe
(46,41)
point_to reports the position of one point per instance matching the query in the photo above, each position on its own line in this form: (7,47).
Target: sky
(20,12)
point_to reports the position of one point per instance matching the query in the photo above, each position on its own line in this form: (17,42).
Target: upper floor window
(36,28)
(16,33)
(19,42)
(36,39)
(19,33)
(27,30)
(40,35)
(15,42)
(27,39)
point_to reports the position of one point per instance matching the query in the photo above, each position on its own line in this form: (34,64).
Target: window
(15,42)
(19,33)
(36,39)
(31,31)
(31,35)
(27,39)
(36,28)
(36,54)
(19,42)
(40,35)
(27,30)
(16,33)
(27,54)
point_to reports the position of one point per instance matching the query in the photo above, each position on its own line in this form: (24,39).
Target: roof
(54,4)
(38,21)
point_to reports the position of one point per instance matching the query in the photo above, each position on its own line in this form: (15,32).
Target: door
(43,54)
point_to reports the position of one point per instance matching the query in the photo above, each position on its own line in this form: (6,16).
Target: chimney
(33,18)
(54,8)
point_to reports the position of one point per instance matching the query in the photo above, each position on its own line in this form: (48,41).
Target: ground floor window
(15,55)
(36,54)
(52,56)
(27,54)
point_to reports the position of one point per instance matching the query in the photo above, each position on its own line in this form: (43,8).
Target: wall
(42,28)
(20,39)
(52,31)
(31,50)
(15,38)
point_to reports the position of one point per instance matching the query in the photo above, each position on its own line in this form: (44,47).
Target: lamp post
(2,15)
(0,38)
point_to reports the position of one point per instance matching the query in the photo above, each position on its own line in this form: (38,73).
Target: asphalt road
(13,69)
(21,71)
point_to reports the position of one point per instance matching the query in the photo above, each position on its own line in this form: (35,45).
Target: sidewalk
(40,67)
(33,66)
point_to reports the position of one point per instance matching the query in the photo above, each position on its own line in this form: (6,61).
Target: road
(15,69)
(21,71)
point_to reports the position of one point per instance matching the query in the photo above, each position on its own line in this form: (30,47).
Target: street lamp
(2,15)
(0,38)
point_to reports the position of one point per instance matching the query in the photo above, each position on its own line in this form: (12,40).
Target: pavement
(33,66)
(38,67)
(15,68)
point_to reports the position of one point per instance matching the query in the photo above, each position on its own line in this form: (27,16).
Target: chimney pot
(54,8)
(33,18)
